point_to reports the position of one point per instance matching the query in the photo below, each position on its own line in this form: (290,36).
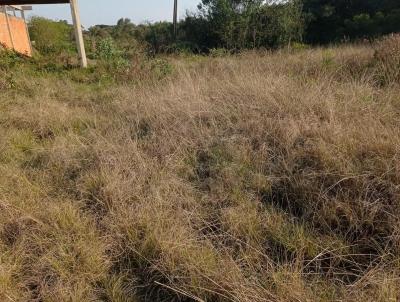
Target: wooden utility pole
(78,33)
(175,19)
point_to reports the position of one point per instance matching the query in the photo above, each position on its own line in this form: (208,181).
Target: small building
(13,29)
(14,32)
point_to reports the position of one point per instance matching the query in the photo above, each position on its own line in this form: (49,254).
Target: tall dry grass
(259,177)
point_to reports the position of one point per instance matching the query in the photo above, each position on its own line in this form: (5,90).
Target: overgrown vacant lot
(256,177)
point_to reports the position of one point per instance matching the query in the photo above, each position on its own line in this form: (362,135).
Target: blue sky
(109,11)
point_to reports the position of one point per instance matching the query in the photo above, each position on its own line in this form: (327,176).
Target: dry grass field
(246,178)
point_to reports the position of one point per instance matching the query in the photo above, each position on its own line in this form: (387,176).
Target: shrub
(387,59)
(50,37)
(297,46)
(8,59)
(107,50)
(218,52)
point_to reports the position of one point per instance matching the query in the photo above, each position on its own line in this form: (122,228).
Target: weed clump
(387,56)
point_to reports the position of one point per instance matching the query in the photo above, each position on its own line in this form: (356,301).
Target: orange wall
(20,37)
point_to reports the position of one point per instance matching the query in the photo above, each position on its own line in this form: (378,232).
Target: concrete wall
(20,38)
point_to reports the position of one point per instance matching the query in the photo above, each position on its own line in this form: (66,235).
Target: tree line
(245,24)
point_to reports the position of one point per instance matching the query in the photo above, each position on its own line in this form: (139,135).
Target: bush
(218,52)
(387,59)
(110,56)
(107,50)
(297,46)
(8,59)
(50,37)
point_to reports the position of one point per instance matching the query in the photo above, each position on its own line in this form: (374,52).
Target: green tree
(291,22)
(238,24)
(232,21)
(334,20)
